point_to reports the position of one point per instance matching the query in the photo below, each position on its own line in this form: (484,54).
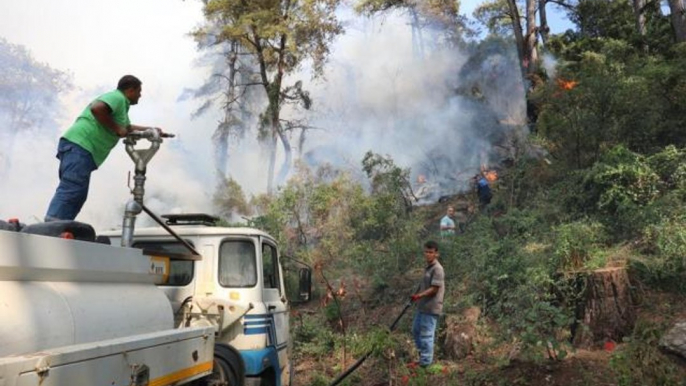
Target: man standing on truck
(429,302)
(86,144)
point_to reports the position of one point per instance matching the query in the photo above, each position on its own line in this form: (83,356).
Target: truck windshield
(237,266)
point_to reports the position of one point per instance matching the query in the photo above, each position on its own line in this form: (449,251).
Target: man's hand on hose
(122,131)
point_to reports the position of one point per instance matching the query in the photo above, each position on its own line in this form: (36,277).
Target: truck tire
(228,370)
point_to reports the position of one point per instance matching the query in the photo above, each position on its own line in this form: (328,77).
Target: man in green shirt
(86,144)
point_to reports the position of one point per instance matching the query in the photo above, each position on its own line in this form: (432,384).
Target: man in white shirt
(447,223)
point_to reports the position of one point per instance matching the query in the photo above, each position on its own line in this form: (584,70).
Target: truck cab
(236,284)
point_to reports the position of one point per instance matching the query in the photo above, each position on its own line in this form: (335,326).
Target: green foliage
(664,263)
(530,313)
(580,122)
(319,379)
(670,166)
(607,19)
(381,217)
(621,179)
(640,362)
(619,96)
(230,200)
(611,120)
(505,268)
(312,337)
(332,312)
(313,208)
(495,15)
(578,245)
(280,34)
(617,189)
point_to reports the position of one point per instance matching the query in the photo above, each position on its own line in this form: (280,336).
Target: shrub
(639,362)
(664,263)
(620,179)
(577,245)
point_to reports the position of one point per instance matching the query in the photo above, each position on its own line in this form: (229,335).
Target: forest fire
(567,84)
(490,175)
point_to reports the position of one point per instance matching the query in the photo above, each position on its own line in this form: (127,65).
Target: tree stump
(605,311)
(460,333)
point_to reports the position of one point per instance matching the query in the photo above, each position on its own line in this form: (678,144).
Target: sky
(98,42)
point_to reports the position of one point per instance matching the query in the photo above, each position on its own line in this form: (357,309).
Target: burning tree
(277,37)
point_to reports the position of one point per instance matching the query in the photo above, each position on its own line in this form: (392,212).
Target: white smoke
(378,94)
(381,93)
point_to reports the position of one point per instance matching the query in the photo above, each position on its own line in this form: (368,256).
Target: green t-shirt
(88,133)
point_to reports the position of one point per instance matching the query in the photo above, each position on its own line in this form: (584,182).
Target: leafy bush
(530,313)
(639,362)
(381,216)
(577,245)
(623,178)
(670,166)
(311,337)
(664,265)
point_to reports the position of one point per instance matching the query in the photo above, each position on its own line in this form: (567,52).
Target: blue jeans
(423,332)
(76,166)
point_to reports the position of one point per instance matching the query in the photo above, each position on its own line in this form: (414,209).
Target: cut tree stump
(605,311)
(460,333)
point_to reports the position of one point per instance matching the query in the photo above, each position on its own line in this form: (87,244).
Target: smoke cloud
(436,113)
(436,110)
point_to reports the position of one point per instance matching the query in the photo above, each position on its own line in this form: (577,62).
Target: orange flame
(491,175)
(567,84)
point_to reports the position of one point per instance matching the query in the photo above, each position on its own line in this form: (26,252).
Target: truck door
(275,301)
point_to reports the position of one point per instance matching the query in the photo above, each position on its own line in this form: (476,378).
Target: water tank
(57,292)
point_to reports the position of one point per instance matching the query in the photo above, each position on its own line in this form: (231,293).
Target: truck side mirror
(298,280)
(305,284)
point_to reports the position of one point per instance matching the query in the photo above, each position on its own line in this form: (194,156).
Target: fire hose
(357,364)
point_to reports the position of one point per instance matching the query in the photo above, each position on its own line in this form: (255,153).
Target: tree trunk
(221,135)
(288,154)
(527,52)
(641,22)
(676,8)
(417,38)
(605,311)
(543,17)
(531,37)
(531,62)
(272,162)
(519,35)
(531,49)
